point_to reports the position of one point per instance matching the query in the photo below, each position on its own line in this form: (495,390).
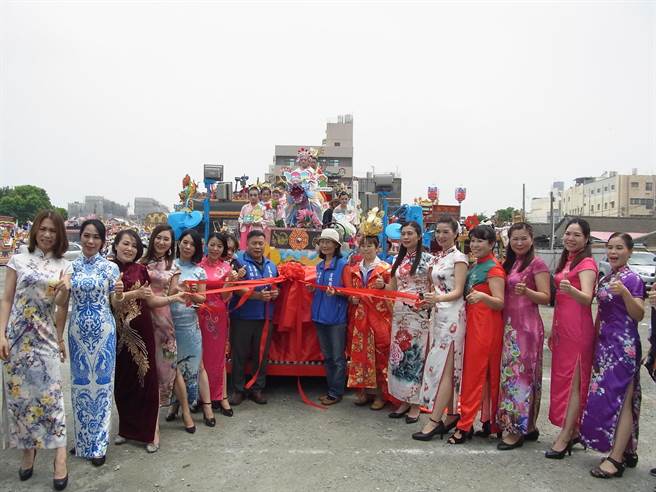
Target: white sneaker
(118,440)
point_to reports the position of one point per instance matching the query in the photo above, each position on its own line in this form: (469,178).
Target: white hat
(330,234)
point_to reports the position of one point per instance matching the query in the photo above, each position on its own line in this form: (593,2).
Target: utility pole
(551,219)
(523,202)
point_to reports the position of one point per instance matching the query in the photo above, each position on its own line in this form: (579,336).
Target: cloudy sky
(123,98)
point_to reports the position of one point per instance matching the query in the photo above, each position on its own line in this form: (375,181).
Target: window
(598,190)
(337,144)
(635,184)
(612,204)
(649,186)
(605,188)
(612,187)
(592,192)
(598,206)
(605,206)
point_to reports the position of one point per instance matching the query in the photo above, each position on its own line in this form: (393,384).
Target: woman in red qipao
(370,325)
(214,321)
(136,387)
(484,292)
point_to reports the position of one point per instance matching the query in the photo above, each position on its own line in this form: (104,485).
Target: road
(287,445)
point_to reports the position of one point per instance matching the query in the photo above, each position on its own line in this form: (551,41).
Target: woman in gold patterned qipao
(136,388)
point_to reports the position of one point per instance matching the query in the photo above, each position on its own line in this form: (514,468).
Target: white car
(641,262)
(74,250)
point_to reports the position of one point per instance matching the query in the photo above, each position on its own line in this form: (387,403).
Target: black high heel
(173,413)
(398,415)
(597,472)
(27,474)
(559,455)
(228,412)
(59,483)
(485,431)
(427,436)
(630,460)
(532,436)
(209,422)
(464,436)
(578,440)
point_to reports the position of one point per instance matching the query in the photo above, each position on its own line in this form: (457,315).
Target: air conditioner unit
(383,182)
(224,191)
(213,171)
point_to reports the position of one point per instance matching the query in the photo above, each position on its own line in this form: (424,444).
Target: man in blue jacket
(247,322)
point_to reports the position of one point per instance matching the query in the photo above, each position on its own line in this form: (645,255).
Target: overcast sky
(122,99)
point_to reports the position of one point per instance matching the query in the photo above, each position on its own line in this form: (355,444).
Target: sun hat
(330,234)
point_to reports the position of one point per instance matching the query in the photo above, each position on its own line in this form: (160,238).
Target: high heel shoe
(27,473)
(59,483)
(597,472)
(532,436)
(398,415)
(630,460)
(192,428)
(578,440)
(504,446)
(464,436)
(228,412)
(552,454)
(439,428)
(173,413)
(209,422)
(485,431)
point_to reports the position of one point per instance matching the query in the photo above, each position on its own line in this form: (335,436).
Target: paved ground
(287,445)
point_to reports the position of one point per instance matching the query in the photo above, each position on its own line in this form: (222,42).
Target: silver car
(641,262)
(74,250)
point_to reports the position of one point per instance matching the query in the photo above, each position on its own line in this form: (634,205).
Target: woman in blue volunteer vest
(329,313)
(248,321)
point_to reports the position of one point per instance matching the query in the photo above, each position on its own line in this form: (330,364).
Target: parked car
(641,262)
(74,250)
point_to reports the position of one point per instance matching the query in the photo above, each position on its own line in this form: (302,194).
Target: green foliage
(482,217)
(23,202)
(62,211)
(504,215)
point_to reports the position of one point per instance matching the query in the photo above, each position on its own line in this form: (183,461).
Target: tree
(23,202)
(482,217)
(61,211)
(504,215)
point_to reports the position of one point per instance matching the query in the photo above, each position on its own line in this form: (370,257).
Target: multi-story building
(143,206)
(368,196)
(98,206)
(611,195)
(336,152)
(540,211)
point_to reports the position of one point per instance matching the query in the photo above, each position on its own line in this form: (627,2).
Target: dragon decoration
(189,188)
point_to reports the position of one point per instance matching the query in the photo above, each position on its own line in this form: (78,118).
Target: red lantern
(433,193)
(461,194)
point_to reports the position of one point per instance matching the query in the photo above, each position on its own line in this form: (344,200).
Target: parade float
(7,238)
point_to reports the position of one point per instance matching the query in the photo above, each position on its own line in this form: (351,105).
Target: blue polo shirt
(254,309)
(330,310)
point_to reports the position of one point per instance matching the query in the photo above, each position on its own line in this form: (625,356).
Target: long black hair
(511,256)
(150,252)
(198,245)
(222,239)
(586,252)
(137,240)
(100,227)
(403,251)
